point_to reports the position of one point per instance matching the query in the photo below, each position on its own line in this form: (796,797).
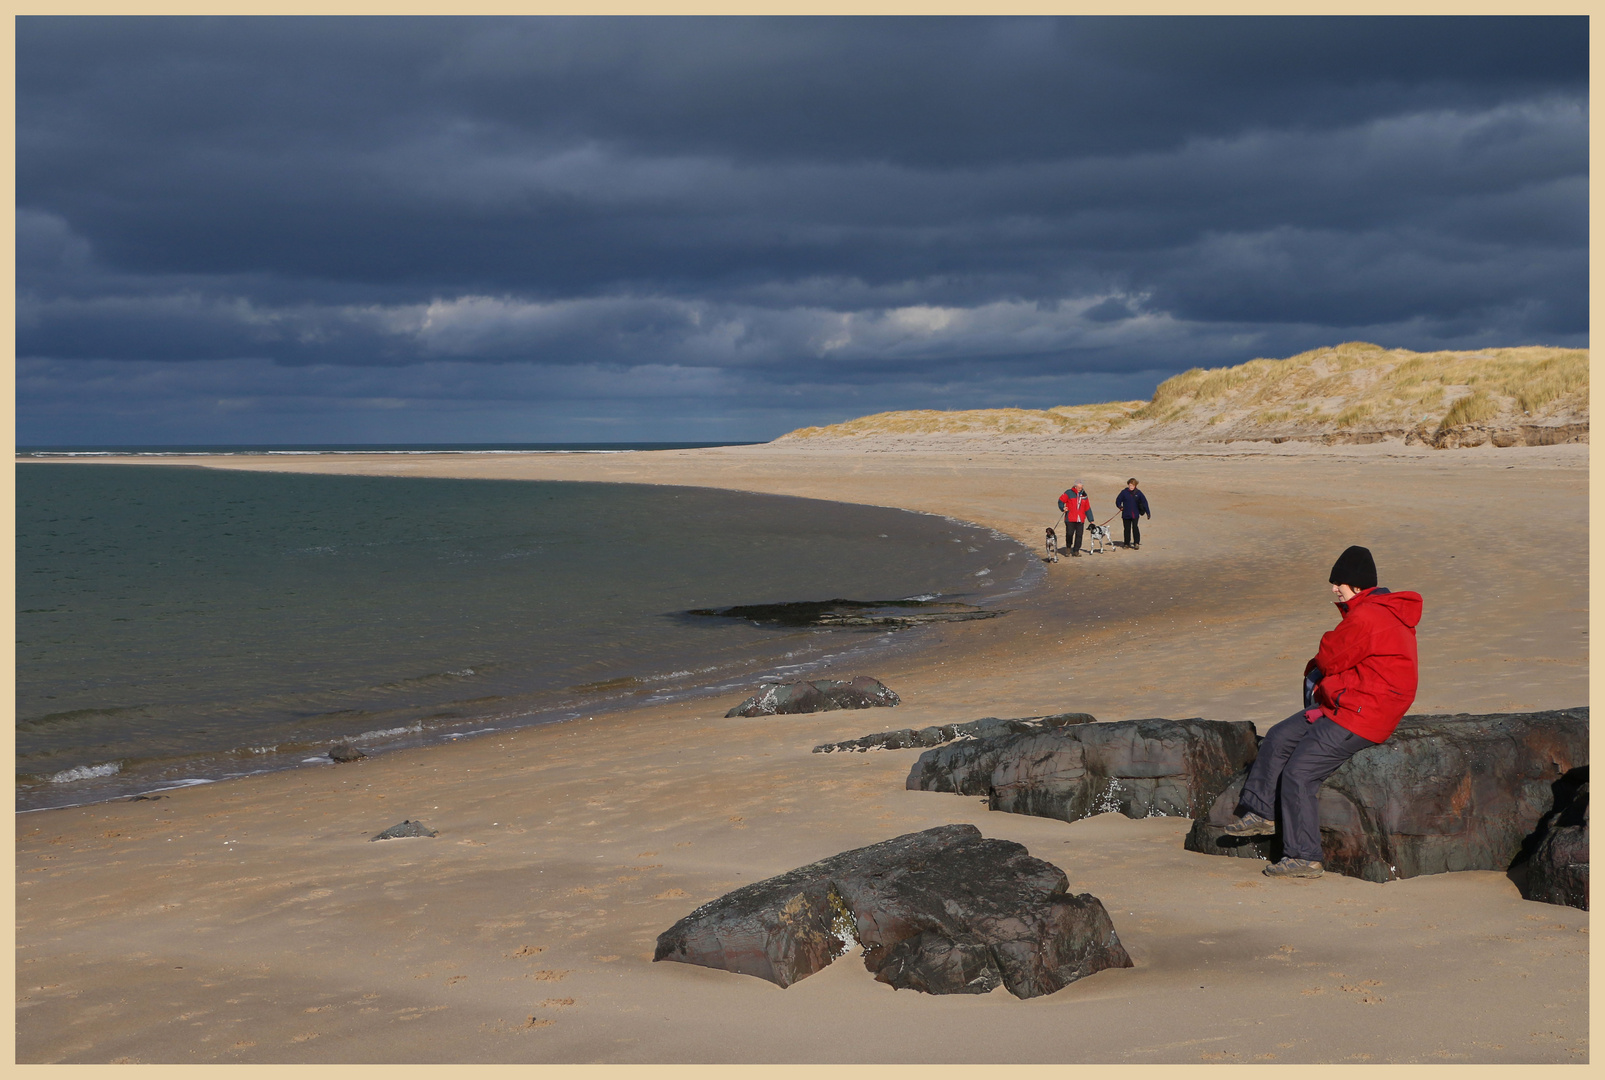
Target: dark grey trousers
(1294,758)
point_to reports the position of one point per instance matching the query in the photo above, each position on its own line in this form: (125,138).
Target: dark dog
(1053,546)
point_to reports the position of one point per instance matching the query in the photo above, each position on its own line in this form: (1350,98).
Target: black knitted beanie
(1355,568)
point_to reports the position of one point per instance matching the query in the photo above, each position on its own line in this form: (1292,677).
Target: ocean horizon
(225,449)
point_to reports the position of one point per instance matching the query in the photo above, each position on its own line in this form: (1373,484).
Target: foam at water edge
(86,772)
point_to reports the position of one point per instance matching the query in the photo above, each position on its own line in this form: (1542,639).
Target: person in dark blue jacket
(1132,504)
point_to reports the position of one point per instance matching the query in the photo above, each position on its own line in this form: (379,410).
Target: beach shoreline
(259,924)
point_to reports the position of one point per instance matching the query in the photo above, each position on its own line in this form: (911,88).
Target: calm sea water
(179,625)
(359,448)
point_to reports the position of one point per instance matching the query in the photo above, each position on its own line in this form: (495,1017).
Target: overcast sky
(596,229)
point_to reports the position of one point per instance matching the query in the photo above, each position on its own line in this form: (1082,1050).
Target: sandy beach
(252,921)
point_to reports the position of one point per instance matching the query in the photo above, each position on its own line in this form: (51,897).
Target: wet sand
(253,921)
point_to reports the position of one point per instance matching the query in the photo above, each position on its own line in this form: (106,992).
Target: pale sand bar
(253,921)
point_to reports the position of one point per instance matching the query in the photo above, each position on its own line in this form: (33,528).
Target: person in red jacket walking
(1356,689)
(1077,509)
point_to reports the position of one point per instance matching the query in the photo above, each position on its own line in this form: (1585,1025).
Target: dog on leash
(1053,546)
(1097,537)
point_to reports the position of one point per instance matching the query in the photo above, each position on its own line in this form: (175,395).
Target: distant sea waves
(176,626)
(349,448)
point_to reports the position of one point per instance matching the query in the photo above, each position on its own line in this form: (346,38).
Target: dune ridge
(1356,392)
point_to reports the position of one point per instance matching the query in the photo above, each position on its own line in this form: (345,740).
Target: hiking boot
(1251,824)
(1294,868)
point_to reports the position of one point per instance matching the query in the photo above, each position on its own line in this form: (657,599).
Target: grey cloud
(944,209)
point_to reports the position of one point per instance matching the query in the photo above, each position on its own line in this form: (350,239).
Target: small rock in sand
(817,695)
(406,828)
(346,752)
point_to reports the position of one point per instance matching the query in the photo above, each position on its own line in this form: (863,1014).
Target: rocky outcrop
(1460,435)
(342,753)
(819,695)
(1443,793)
(1553,867)
(944,911)
(406,828)
(1139,768)
(882,614)
(985,728)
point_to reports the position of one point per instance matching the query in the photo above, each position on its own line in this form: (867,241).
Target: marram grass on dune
(1350,389)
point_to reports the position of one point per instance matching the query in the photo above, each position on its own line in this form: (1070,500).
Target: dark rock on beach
(406,828)
(879,614)
(944,911)
(345,752)
(1553,867)
(985,728)
(145,798)
(819,695)
(1139,768)
(1444,793)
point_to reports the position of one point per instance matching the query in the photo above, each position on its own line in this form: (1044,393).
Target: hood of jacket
(1404,606)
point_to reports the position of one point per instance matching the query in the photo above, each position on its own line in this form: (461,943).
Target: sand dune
(1351,393)
(253,921)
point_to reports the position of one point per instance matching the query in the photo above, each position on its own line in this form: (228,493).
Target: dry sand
(253,921)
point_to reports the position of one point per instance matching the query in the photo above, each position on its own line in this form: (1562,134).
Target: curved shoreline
(822,651)
(261,915)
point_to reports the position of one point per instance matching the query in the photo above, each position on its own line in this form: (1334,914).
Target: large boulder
(944,911)
(1555,869)
(985,728)
(1443,793)
(1139,768)
(817,695)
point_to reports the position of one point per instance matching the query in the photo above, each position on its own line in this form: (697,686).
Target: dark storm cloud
(903,211)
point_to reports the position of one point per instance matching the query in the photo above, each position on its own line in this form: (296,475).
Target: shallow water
(178,625)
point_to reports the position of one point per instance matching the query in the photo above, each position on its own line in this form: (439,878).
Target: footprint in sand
(672,894)
(536,1022)
(527,950)
(552,1003)
(548,976)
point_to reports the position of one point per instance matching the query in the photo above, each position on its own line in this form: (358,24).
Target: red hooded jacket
(1368,663)
(1076,506)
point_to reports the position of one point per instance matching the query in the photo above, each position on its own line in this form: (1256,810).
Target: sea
(179,625)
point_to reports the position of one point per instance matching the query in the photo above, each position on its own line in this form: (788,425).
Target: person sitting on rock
(1077,510)
(1356,690)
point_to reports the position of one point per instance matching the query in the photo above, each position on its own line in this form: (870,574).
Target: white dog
(1097,537)
(1053,546)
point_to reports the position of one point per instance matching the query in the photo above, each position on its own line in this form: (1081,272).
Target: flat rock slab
(944,911)
(985,728)
(877,614)
(1444,793)
(406,828)
(818,695)
(1139,768)
(345,752)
